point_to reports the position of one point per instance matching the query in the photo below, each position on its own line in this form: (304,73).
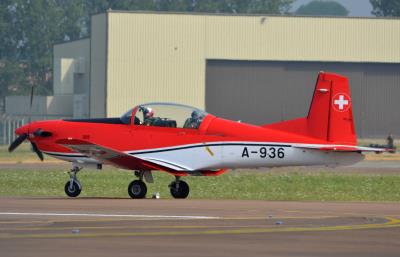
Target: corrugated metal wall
(262,92)
(154,58)
(302,38)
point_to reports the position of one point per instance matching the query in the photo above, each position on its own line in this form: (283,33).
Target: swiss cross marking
(341,102)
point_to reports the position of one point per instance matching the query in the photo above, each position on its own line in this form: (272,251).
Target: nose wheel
(179,189)
(73,187)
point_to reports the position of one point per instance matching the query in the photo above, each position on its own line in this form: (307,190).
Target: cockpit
(164,115)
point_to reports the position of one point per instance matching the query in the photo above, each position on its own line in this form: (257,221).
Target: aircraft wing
(111,156)
(126,161)
(343,148)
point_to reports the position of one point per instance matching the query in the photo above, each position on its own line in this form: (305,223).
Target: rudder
(330,116)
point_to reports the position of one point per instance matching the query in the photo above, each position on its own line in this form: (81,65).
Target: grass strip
(251,185)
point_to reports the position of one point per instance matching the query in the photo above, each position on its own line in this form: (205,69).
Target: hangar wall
(154,58)
(72,76)
(162,57)
(263,92)
(71,59)
(98,70)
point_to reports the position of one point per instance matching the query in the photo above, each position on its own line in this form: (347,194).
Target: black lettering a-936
(264,152)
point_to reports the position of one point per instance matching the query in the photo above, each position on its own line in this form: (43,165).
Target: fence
(8,125)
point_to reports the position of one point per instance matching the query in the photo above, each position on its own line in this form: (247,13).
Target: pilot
(148,116)
(193,121)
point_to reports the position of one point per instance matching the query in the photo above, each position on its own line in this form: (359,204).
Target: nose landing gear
(73,187)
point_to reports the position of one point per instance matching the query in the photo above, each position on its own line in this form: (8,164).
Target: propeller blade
(31,96)
(17,142)
(37,151)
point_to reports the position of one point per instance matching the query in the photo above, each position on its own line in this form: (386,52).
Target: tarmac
(157,227)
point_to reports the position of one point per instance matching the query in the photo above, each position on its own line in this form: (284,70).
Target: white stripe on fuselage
(244,155)
(72,157)
(233,154)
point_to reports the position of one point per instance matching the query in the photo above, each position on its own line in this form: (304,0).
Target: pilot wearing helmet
(193,121)
(148,116)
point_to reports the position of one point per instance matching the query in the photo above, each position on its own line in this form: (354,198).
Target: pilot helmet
(148,113)
(195,115)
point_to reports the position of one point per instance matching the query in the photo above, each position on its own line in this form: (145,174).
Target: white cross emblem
(342,103)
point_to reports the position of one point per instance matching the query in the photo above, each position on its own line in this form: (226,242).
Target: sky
(359,8)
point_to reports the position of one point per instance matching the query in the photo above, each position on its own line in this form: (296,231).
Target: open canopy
(165,115)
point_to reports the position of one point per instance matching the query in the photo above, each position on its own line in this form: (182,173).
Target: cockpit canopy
(165,115)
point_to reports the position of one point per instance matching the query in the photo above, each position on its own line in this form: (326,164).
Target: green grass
(321,186)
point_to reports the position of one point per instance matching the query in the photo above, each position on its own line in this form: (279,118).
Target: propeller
(31,102)
(17,142)
(38,133)
(37,151)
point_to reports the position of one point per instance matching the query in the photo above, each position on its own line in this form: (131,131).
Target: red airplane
(183,140)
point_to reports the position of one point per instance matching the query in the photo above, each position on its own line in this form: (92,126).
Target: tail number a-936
(264,152)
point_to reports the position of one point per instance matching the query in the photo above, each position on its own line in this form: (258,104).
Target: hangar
(253,68)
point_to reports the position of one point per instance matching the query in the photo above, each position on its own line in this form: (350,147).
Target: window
(165,115)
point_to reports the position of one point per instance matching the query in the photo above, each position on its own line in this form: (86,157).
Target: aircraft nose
(22,130)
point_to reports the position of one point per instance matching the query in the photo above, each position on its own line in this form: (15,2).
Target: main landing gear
(179,189)
(73,187)
(137,189)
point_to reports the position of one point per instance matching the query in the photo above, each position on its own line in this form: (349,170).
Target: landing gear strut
(179,189)
(137,189)
(73,187)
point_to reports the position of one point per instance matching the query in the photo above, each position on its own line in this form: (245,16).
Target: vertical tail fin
(330,116)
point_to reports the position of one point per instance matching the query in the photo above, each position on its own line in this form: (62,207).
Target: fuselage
(216,144)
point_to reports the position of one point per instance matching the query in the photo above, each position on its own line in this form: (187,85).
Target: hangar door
(261,92)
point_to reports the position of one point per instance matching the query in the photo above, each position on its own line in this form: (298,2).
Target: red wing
(111,156)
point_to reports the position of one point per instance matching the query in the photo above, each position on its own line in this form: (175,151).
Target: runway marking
(391,223)
(208,217)
(132,227)
(108,215)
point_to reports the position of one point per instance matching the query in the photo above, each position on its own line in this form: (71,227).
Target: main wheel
(73,191)
(179,191)
(137,189)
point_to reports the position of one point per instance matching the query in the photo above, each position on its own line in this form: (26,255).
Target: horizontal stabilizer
(343,148)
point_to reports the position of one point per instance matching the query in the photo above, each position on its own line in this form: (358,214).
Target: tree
(330,8)
(389,8)
(30,28)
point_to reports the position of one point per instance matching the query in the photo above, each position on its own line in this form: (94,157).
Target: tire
(137,189)
(182,192)
(75,191)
